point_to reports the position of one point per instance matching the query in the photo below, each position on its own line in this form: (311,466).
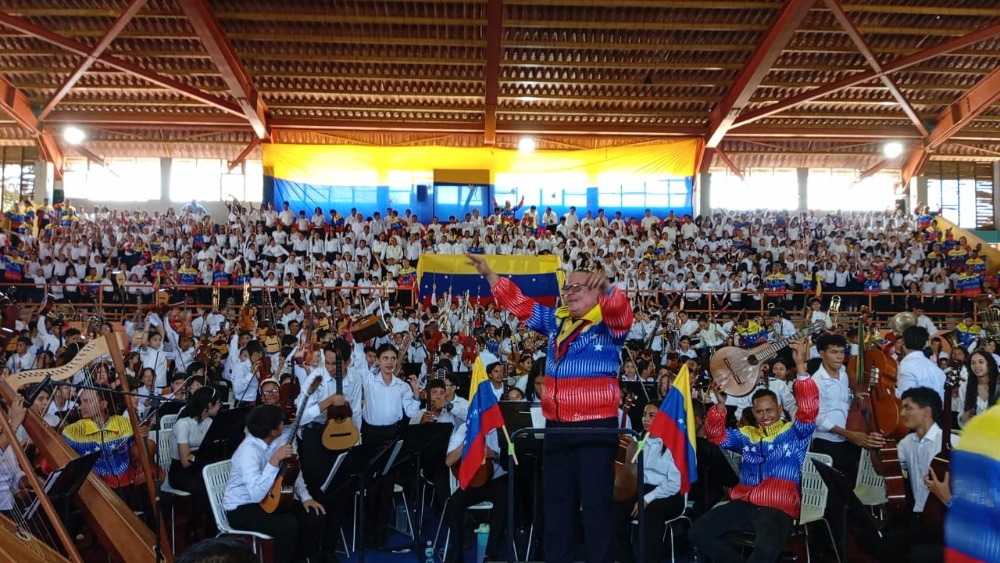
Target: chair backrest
(216,478)
(165,447)
(814,490)
(167,422)
(866,472)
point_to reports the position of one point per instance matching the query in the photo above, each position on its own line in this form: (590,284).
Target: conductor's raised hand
(598,281)
(481,266)
(800,352)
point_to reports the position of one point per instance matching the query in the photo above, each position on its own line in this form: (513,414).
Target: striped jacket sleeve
(718,434)
(807,397)
(617,313)
(535,316)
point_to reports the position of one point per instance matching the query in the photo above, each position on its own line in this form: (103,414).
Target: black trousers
(378,504)
(494,491)
(771,528)
(296,533)
(657,514)
(846,458)
(191,480)
(579,468)
(316,464)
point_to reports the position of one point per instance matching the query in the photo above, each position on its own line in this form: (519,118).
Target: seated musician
(494,491)
(192,424)
(661,482)
(98,429)
(41,408)
(911,539)
(173,395)
(459,405)
(254,470)
(766,501)
(497,373)
(245,372)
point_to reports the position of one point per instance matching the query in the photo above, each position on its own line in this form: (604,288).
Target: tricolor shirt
(581,370)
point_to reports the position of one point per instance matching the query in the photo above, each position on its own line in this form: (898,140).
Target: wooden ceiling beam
(116,28)
(730,164)
(859,41)
(494,54)
(756,68)
(15,104)
(957,116)
(75,47)
(243,155)
(235,75)
(862,77)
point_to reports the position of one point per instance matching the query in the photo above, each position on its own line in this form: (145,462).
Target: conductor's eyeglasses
(573,288)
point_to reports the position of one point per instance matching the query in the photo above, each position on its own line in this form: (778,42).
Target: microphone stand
(157,401)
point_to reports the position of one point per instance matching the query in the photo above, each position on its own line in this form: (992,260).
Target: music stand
(222,437)
(848,502)
(517,415)
(63,484)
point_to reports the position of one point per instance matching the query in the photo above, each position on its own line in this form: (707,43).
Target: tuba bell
(902,321)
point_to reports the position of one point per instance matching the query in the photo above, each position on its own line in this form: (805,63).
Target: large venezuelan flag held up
(539,277)
(674,424)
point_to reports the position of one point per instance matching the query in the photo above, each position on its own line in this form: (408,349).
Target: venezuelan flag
(539,277)
(674,424)
(484,417)
(479,375)
(972,527)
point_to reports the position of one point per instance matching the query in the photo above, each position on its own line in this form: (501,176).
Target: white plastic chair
(167,422)
(669,529)
(453,483)
(814,497)
(870,486)
(216,477)
(165,445)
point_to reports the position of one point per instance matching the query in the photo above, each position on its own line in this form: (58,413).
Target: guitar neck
(778,345)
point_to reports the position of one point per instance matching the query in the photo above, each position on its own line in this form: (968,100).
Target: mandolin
(340,432)
(736,370)
(282,492)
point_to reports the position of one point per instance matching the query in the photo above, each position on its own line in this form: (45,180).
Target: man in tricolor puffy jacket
(766,501)
(581,391)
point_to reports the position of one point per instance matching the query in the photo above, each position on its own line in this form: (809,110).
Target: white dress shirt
(834,402)
(460,409)
(251,475)
(244,383)
(915,455)
(351,388)
(386,403)
(155,358)
(916,370)
(10,476)
(659,470)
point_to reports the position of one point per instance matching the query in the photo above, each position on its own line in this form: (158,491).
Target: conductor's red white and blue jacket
(772,457)
(581,367)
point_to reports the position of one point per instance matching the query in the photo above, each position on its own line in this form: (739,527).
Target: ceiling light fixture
(74,135)
(526,144)
(892,149)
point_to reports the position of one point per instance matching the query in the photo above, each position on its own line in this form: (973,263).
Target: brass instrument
(902,321)
(61,314)
(834,311)
(990,315)
(215,298)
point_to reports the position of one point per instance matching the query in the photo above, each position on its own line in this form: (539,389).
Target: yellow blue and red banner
(674,424)
(484,417)
(538,277)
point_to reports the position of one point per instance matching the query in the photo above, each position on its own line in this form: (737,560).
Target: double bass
(875,408)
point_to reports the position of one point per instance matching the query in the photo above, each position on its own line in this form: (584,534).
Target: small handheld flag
(674,424)
(484,417)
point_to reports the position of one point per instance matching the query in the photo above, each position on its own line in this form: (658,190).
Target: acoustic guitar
(282,492)
(736,370)
(340,432)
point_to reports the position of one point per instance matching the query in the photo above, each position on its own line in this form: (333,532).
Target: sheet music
(333,471)
(33,508)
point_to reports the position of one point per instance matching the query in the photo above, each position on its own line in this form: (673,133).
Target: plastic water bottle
(429,552)
(482,535)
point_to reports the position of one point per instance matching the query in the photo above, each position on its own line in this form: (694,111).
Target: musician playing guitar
(911,540)
(317,459)
(255,467)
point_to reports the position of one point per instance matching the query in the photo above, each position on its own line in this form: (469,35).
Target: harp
(118,529)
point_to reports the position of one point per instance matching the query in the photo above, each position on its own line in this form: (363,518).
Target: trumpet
(834,311)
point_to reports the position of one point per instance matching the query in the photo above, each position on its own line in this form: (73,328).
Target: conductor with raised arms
(581,391)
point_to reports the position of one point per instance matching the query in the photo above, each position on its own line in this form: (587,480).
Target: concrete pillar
(918,191)
(165,179)
(996,195)
(44,180)
(802,175)
(703,206)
